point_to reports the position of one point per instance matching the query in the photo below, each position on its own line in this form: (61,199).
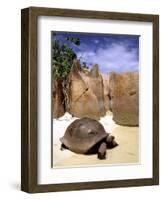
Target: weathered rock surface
(124,94)
(105,78)
(92,94)
(86,97)
(58,99)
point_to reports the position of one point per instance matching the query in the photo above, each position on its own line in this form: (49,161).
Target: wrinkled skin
(108,143)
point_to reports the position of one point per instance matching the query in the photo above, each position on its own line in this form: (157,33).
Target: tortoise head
(110,140)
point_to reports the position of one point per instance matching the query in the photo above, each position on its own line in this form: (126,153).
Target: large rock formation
(86,97)
(124,95)
(90,94)
(105,78)
(58,99)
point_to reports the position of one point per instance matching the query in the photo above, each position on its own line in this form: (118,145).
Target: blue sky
(119,53)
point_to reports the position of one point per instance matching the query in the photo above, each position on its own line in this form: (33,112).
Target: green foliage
(62,56)
(74,40)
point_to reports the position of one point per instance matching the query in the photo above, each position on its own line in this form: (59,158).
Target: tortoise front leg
(110,140)
(102,151)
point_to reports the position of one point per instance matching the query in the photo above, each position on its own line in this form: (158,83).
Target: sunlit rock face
(58,99)
(124,98)
(105,78)
(86,98)
(92,94)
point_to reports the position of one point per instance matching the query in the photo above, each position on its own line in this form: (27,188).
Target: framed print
(90,99)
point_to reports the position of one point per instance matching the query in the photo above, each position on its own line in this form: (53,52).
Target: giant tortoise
(87,136)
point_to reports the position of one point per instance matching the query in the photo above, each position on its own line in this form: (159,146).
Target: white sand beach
(127,152)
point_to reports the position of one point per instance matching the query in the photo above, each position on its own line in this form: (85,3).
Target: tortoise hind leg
(63,147)
(102,151)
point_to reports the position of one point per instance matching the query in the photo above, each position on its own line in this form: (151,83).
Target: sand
(127,152)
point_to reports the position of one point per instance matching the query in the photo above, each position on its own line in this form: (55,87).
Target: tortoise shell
(82,134)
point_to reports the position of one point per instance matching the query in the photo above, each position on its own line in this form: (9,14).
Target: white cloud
(114,57)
